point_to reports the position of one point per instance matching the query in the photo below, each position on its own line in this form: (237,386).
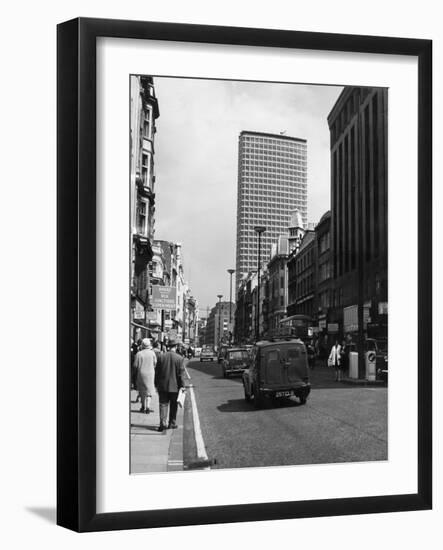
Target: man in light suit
(169,378)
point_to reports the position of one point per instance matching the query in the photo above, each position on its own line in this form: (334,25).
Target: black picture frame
(76,273)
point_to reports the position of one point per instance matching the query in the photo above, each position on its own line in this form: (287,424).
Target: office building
(359,207)
(272,182)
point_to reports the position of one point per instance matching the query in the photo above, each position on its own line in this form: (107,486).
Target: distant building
(277,283)
(201,338)
(217,326)
(296,230)
(302,277)
(272,182)
(190,325)
(324,282)
(243,327)
(359,204)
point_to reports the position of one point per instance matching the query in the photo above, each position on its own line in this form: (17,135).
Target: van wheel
(258,399)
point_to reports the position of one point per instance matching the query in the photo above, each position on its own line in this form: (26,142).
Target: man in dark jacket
(169,378)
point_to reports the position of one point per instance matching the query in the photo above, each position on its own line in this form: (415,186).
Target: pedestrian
(169,379)
(134,350)
(344,356)
(334,360)
(145,362)
(156,348)
(311,354)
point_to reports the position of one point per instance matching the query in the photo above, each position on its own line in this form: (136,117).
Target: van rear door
(273,368)
(296,363)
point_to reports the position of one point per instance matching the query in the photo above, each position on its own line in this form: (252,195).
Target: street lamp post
(259,229)
(219,296)
(230,271)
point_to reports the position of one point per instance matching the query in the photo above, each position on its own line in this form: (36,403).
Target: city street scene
(258,297)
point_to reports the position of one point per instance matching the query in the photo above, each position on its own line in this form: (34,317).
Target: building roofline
(342,98)
(325,216)
(279,136)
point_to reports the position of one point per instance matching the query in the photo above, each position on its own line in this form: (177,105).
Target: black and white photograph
(258,299)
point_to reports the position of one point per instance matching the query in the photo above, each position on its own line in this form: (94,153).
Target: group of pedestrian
(154,370)
(339,358)
(186,351)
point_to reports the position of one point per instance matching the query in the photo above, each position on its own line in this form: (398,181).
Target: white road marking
(200,444)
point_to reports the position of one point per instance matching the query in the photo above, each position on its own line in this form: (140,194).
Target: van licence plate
(284,393)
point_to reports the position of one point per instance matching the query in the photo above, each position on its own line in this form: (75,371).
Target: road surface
(339,423)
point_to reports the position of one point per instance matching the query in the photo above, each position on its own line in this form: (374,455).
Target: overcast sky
(196,155)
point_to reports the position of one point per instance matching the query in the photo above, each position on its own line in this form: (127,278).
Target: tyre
(303,400)
(258,399)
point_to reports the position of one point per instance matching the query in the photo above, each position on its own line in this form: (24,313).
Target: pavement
(153,451)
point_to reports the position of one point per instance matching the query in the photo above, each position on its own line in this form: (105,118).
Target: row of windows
(305,285)
(305,260)
(247,199)
(265,207)
(253,141)
(261,168)
(268,207)
(271,180)
(287,160)
(325,242)
(266,190)
(325,271)
(273,167)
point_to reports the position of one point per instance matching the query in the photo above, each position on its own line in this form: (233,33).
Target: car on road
(380,347)
(278,369)
(235,361)
(207,354)
(222,352)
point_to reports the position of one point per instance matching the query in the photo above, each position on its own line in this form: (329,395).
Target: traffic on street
(338,423)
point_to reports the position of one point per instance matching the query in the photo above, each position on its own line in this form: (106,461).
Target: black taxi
(278,369)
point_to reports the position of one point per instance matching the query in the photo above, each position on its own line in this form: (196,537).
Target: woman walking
(144,363)
(335,360)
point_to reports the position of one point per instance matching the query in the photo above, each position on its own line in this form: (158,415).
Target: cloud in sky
(196,162)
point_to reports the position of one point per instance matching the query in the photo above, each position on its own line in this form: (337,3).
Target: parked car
(222,352)
(235,361)
(380,346)
(278,369)
(207,354)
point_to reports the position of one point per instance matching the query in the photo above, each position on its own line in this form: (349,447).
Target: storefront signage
(164,297)
(139,314)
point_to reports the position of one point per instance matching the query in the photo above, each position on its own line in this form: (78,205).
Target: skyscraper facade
(272,182)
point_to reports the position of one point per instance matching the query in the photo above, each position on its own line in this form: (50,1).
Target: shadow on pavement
(215,370)
(145,426)
(240,405)
(323,377)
